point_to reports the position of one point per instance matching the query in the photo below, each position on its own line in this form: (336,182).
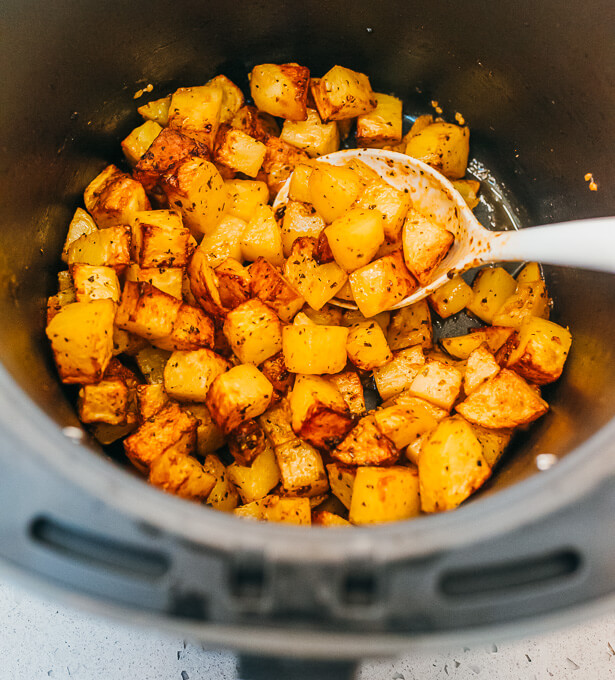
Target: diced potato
(256,481)
(530,273)
(333,190)
(341,480)
(303,349)
(350,387)
(195,188)
(81,337)
(113,197)
(504,401)
(192,329)
(425,245)
(462,346)
(403,423)
(255,123)
(188,375)
(468,188)
(234,283)
(342,93)
(276,509)
(146,311)
(82,224)
(103,402)
(326,316)
(529,299)
(204,284)
(159,239)
(140,140)
(494,443)
(540,351)
(232,97)
(169,280)
(443,146)
(312,135)
(209,437)
(298,188)
(275,370)
(319,413)
(354,238)
(367,174)
(246,442)
(182,476)
(382,125)
(151,362)
(366,445)
(451,466)
(150,399)
(280,161)
(437,383)
(353,316)
(269,286)
(451,298)
(480,367)
(196,111)
(238,151)
(384,495)
(281,89)
(381,284)
(108,247)
(324,518)
(224,495)
(420,123)
(367,346)
(244,197)
(411,326)
(276,423)
(491,288)
(300,219)
(412,452)
(253,331)
(126,343)
(95,283)
(397,375)
(156,110)
(224,241)
(301,469)
(56,302)
(391,202)
(262,237)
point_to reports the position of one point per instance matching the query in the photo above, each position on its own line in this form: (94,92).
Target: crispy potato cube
(350,387)
(95,283)
(182,476)
(281,89)
(412,452)
(342,93)
(365,444)
(529,299)
(451,298)
(391,202)
(300,219)
(504,401)
(108,247)
(381,284)
(159,239)
(156,110)
(232,97)
(81,337)
(224,495)
(451,466)
(333,189)
(325,316)
(82,224)
(480,367)
(276,509)
(56,302)
(238,151)
(113,197)
(494,443)
(298,188)
(280,161)
(169,280)
(237,395)
(382,125)
(151,362)
(425,245)
(204,284)
(491,288)
(146,311)
(397,375)
(196,111)
(234,283)
(276,423)
(384,495)
(269,286)
(530,273)
(302,471)
(244,197)
(341,480)
(224,241)
(353,316)
(275,370)
(324,518)
(403,423)
(437,383)
(262,237)
(354,238)
(468,188)
(411,326)
(169,428)
(462,346)
(209,437)
(140,140)
(192,329)
(195,188)
(443,146)
(311,135)
(103,402)
(367,346)
(253,331)
(247,441)
(319,412)
(303,349)
(255,123)
(188,374)
(540,351)
(256,481)
(150,399)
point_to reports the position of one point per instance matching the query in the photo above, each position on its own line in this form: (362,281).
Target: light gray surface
(43,640)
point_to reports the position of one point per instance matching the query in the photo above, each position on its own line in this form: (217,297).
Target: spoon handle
(583,243)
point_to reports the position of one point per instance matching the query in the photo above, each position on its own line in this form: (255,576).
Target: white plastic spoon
(589,244)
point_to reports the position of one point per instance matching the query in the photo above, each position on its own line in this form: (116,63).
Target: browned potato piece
(451,298)
(113,197)
(256,481)
(276,509)
(196,111)
(403,423)
(146,311)
(241,393)
(140,140)
(204,284)
(341,480)
(253,331)
(492,287)
(367,346)
(451,466)
(182,476)
(504,401)
(95,283)
(312,135)
(276,422)
(319,412)
(411,326)
(234,283)
(480,367)
(108,247)
(437,383)
(342,93)
(255,123)
(333,189)
(301,469)
(269,286)
(280,160)
(150,399)
(151,362)
(238,151)
(354,238)
(462,346)
(324,518)
(425,245)
(188,375)
(192,329)
(391,202)
(209,437)
(262,237)
(382,125)
(103,402)
(443,146)
(281,89)
(350,387)
(223,241)
(397,375)
(159,239)
(246,442)
(529,299)
(224,495)
(169,280)
(81,225)
(384,495)
(303,349)
(366,445)
(275,370)
(300,219)
(156,110)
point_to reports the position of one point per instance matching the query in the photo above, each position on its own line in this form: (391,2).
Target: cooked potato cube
(462,346)
(151,362)
(255,123)
(81,337)
(443,146)
(103,402)
(366,445)
(480,367)
(403,423)
(224,241)
(56,302)
(232,97)
(529,299)
(224,495)
(196,111)
(188,375)
(302,471)
(244,197)
(253,331)
(303,349)
(494,443)
(530,273)
(397,375)
(299,189)
(412,452)
(504,401)
(276,423)
(281,89)
(276,509)
(350,387)
(425,245)
(420,123)
(234,283)
(382,125)
(354,238)
(140,140)
(146,311)
(391,202)
(381,284)
(324,518)
(192,329)
(280,161)
(150,399)
(367,346)
(182,476)
(159,239)
(269,286)
(333,190)
(209,437)
(468,188)
(451,298)
(156,110)
(82,224)
(353,316)
(275,370)
(326,316)
(437,383)
(237,395)
(342,93)
(341,480)
(491,288)
(113,197)
(169,280)
(384,495)
(262,237)
(238,151)
(204,284)
(451,466)
(95,283)
(411,326)
(256,481)
(246,442)
(300,219)
(108,247)
(312,135)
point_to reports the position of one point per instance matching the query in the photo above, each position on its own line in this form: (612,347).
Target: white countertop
(41,639)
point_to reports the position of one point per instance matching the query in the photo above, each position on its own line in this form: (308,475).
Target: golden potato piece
(382,125)
(197,111)
(192,329)
(276,509)
(333,189)
(232,97)
(492,287)
(462,346)
(404,422)
(324,518)
(159,239)
(300,219)
(468,188)
(529,299)
(140,140)
(156,110)
(311,135)
(255,123)
(480,367)
(262,237)
(256,481)
(113,197)
(209,437)
(367,346)
(276,423)
(281,89)
(95,283)
(238,151)
(366,445)
(342,93)
(301,469)
(182,476)
(108,247)
(451,298)
(354,238)
(269,286)
(188,375)
(146,311)
(437,383)
(341,480)
(103,402)
(397,375)
(425,245)
(443,146)
(391,202)
(384,495)
(350,387)
(303,349)
(411,326)
(80,225)
(224,495)
(253,331)
(150,399)
(280,160)
(244,197)
(234,283)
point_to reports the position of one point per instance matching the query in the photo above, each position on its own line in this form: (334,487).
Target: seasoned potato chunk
(443,146)
(391,202)
(108,247)
(81,337)
(425,245)
(280,160)
(302,471)
(237,395)
(300,219)
(491,288)
(403,423)
(298,188)
(325,316)
(384,495)
(437,383)
(140,140)
(468,188)
(281,89)
(95,283)
(232,97)
(192,329)
(244,197)
(397,375)
(303,349)
(256,481)
(367,346)
(209,437)
(169,280)
(146,311)
(103,402)
(238,151)
(341,480)
(196,111)
(113,197)
(325,518)
(366,445)
(159,239)
(451,466)
(462,346)
(151,362)
(382,125)
(504,401)
(262,237)
(246,442)
(275,370)
(411,326)
(156,110)
(312,135)
(451,298)
(182,476)
(354,238)
(269,286)
(255,123)
(530,273)
(276,423)
(188,374)
(333,189)
(224,241)
(80,225)
(342,93)
(480,367)
(234,283)
(276,509)
(529,299)
(150,399)
(253,331)
(350,387)
(224,495)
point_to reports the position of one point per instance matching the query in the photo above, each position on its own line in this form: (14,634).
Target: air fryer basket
(535,81)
